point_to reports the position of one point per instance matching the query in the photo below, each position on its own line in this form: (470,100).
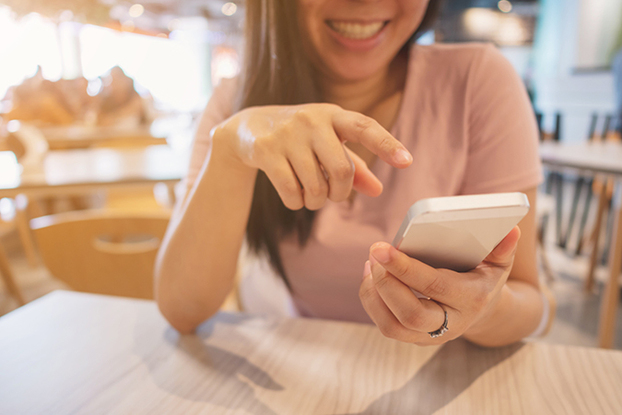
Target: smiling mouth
(358,31)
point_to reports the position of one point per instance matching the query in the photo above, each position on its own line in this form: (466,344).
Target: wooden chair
(5,269)
(547,203)
(101,251)
(9,142)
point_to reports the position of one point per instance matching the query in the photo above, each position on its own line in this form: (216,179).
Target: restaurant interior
(99,104)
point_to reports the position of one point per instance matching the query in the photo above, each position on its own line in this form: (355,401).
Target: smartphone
(459,232)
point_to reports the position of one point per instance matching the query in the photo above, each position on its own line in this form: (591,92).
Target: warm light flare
(136,10)
(505,6)
(229,9)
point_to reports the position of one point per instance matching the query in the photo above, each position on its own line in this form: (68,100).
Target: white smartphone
(459,232)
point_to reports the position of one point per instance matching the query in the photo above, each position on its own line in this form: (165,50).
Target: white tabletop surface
(89,354)
(597,157)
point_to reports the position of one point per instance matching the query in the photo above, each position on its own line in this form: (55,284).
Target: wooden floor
(577,314)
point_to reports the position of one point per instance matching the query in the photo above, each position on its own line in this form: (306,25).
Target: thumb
(503,254)
(364,180)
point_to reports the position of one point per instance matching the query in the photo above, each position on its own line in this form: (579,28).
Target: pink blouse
(466,119)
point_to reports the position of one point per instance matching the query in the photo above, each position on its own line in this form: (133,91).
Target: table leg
(611,296)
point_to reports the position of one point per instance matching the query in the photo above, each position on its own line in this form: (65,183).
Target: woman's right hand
(301,149)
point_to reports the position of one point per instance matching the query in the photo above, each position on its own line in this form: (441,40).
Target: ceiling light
(137,10)
(229,9)
(505,6)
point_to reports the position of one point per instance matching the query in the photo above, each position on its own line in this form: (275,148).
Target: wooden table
(591,159)
(68,172)
(88,354)
(81,136)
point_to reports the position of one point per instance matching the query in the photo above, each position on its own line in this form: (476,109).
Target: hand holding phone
(458,232)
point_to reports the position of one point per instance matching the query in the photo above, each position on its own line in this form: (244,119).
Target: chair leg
(573,211)
(586,212)
(559,195)
(23,228)
(9,280)
(546,265)
(602,202)
(610,222)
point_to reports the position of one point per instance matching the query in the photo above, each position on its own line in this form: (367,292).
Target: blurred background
(99,98)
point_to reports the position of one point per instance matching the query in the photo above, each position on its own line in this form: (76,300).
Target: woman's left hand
(468,297)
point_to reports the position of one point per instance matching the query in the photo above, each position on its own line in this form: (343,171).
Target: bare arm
(196,264)
(300,148)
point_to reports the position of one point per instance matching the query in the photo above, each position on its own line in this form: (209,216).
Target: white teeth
(356,30)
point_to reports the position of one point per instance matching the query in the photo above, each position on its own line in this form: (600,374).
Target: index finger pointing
(358,128)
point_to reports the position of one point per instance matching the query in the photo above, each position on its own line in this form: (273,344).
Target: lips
(356,30)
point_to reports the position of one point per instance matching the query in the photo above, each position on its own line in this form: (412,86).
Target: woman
(288,156)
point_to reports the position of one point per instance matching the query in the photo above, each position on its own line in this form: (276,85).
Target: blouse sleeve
(503,135)
(218,109)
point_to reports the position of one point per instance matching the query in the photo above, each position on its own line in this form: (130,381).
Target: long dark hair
(276,72)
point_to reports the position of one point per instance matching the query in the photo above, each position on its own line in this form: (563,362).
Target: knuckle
(305,117)
(288,186)
(382,281)
(386,144)
(343,170)
(366,292)
(412,320)
(363,124)
(315,190)
(401,268)
(436,288)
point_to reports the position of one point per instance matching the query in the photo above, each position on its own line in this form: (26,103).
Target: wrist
(515,315)
(486,321)
(224,151)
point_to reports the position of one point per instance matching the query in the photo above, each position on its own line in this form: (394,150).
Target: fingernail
(367,269)
(381,253)
(403,157)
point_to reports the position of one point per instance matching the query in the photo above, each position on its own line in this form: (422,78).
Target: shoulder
(461,60)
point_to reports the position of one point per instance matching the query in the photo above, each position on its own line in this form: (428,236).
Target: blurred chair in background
(105,252)
(554,182)
(546,203)
(14,212)
(602,187)
(5,268)
(100,251)
(588,183)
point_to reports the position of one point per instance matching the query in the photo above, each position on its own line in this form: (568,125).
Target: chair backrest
(558,127)
(592,131)
(606,127)
(102,252)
